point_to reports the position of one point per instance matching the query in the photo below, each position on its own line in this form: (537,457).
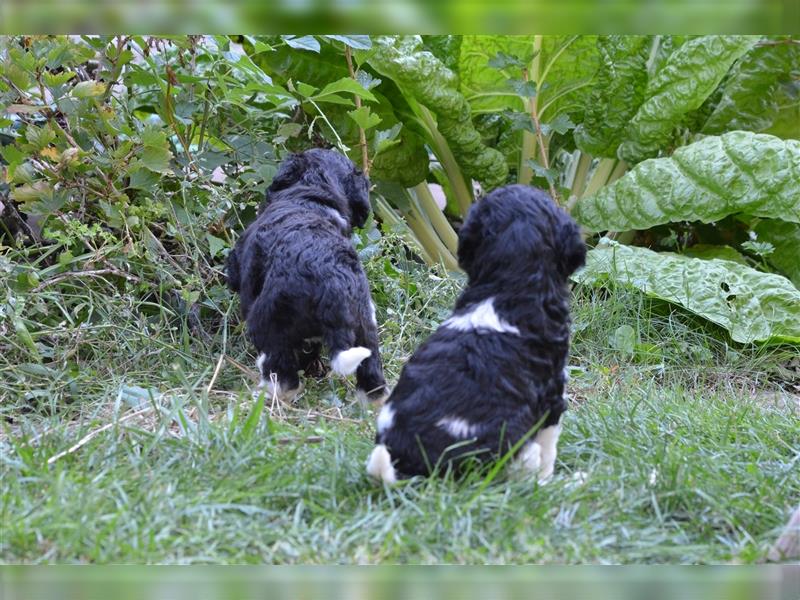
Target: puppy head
(518,229)
(333,175)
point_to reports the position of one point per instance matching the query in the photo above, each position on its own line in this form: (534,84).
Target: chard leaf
(425,81)
(562,69)
(616,95)
(400,157)
(785,237)
(753,306)
(738,172)
(711,251)
(690,75)
(752,94)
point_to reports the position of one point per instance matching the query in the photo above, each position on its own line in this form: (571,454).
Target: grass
(677,447)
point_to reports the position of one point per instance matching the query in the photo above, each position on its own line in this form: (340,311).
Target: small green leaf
(357,42)
(57,79)
(215,244)
(142,178)
(24,336)
(305,90)
(364,118)
(306,42)
(561,125)
(386,138)
(623,339)
(11,154)
(501,60)
(346,84)
(156,154)
(366,79)
(526,89)
(88,89)
(550,174)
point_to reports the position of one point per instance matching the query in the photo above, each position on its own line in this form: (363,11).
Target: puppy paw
(379,465)
(275,390)
(377,396)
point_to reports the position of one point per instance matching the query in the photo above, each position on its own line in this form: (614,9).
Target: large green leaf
(616,95)
(753,306)
(690,75)
(752,94)
(405,159)
(785,237)
(562,66)
(424,80)
(738,172)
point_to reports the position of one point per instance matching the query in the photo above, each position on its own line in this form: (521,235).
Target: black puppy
(299,277)
(495,369)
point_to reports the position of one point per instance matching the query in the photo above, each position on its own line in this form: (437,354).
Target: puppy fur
(299,278)
(494,369)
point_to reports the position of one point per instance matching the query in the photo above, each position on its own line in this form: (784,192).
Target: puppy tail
(346,362)
(380,465)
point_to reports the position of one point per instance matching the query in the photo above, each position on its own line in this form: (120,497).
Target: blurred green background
(401,16)
(408,583)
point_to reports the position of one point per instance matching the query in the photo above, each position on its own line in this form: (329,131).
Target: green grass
(677,447)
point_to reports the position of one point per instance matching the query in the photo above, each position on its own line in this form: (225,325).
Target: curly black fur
(486,378)
(299,277)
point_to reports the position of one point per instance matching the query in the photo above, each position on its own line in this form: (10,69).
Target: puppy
(299,278)
(494,372)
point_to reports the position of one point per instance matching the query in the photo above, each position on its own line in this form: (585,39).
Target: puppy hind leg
(547,439)
(346,356)
(370,382)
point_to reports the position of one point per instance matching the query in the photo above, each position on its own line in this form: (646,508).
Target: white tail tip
(346,362)
(380,466)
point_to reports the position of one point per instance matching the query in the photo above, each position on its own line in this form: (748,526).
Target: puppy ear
(572,248)
(469,238)
(290,172)
(357,190)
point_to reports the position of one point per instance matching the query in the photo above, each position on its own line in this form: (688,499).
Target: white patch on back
(458,427)
(481,317)
(385,418)
(547,438)
(380,465)
(346,362)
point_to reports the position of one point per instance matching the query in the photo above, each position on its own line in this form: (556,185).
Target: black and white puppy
(494,370)
(299,277)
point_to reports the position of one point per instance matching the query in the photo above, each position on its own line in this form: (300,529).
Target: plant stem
(423,231)
(457,183)
(600,176)
(529,140)
(389,217)
(619,170)
(582,170)
(436,216)
(362,136)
